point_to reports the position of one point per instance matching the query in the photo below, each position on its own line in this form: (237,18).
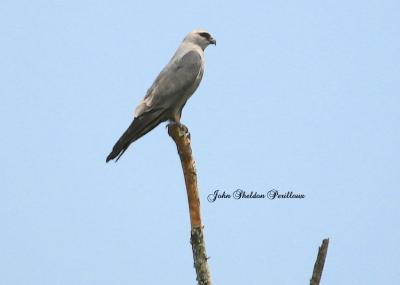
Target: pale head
(201,38)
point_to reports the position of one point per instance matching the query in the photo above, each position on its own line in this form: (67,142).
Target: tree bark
(319,263)
(180,134)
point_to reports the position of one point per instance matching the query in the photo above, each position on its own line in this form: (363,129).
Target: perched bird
(168,95)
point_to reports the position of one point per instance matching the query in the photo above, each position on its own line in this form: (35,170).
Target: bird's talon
(185,129)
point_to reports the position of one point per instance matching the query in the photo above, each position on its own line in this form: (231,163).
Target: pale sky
(298,96)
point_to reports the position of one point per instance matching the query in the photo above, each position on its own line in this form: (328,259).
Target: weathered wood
(319,263)
(180,134)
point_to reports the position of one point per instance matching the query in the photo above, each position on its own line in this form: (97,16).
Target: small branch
(180,134)
(200,256)
(319,263)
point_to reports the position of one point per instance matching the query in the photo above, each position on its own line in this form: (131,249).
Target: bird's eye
(205,35)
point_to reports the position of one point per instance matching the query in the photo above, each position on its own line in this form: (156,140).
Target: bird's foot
(182,128)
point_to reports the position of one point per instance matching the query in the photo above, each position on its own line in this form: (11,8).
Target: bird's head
(201,38)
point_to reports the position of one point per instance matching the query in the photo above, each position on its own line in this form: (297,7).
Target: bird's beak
(213,41)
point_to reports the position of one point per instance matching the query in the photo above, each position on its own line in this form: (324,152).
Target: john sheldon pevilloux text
(240,194)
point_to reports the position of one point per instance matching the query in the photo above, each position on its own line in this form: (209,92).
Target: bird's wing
(174,80)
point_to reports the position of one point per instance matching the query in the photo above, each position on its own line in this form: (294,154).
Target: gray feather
(174,85)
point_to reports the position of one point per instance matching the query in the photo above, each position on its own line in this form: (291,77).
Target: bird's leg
(182,126)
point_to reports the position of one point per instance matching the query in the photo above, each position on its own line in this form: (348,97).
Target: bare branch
(180,134)
(319,263)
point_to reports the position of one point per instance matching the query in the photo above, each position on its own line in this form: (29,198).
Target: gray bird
(167,96)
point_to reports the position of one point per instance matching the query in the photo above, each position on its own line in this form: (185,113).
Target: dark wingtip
(109,157)
(115,155)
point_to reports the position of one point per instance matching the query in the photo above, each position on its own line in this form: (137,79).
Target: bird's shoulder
(191,57)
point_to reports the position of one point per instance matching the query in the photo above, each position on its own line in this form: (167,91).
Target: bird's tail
(138,128)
